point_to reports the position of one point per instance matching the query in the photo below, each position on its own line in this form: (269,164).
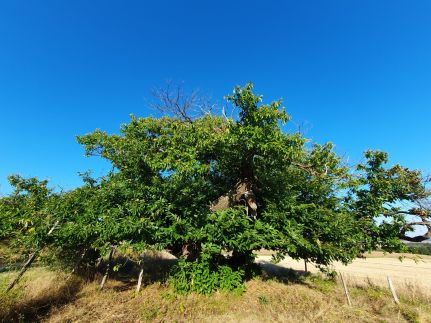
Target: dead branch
(172,100)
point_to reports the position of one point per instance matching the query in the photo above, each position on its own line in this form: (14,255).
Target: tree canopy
(213,190)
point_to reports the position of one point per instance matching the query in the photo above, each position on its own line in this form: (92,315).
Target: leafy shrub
(203,277)
(419,248)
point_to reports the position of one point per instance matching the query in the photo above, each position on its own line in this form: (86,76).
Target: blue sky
(357,73)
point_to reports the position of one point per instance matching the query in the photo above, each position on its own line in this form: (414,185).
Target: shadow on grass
(32,309)
(32,302)
(282,274)
(156,268)
(319,281)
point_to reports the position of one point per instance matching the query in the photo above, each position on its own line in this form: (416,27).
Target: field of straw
(407,271)
(281,295)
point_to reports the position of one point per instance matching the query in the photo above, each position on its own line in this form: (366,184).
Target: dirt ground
(412,272)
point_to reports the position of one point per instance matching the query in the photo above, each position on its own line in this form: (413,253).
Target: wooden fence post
(77,264)
(105,277)
(346,291)
(394,294)
(141,274)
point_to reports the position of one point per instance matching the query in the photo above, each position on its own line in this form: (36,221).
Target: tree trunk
(23,270)
(29,261)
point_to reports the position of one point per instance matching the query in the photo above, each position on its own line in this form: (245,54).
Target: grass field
(280,295)
(411,272)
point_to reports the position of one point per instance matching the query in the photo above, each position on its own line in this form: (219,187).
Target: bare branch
(424,213)
(417,238)
(172,100)
(419,223)
(224,114)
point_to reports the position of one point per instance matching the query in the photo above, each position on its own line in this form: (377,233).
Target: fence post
(141,274)
(394,294)
(346,291)
(108,267)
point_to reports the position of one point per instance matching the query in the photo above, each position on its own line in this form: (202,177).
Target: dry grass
(36,293)
(381,254)
(265,301)
(376,267)
(44,296)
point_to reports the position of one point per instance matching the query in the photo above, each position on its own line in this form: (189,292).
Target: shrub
(204,277)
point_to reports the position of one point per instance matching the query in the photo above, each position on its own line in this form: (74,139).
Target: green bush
(419,248)
(203,277)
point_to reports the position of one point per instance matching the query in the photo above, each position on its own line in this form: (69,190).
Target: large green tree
(212,190)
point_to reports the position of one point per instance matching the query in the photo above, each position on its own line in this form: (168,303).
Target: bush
(203,277)
(419,248)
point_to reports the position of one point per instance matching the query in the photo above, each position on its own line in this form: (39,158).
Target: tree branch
(416,238)
(172,100)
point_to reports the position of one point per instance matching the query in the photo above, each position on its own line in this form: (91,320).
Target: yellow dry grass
(45,296)
(412,271)
(37,292)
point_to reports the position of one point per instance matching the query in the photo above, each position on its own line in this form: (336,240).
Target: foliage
(300,199)
(419,248)
(204,277)
(25,215)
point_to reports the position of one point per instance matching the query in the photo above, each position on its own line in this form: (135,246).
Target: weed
(410,314)
(322,284)
(263,300)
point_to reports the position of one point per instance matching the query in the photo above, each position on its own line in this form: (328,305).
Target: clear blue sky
(357,73)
